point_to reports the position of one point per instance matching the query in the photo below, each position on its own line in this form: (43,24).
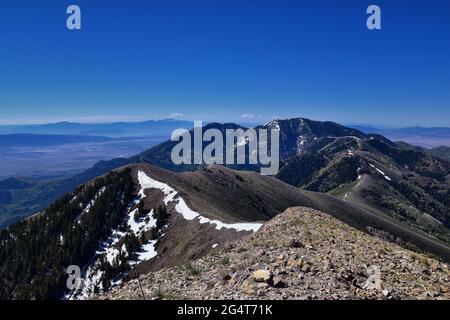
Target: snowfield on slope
(181,207)
(381,172)
(110,249)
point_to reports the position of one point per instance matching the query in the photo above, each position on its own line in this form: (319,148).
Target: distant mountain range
(112,130)
(425,137)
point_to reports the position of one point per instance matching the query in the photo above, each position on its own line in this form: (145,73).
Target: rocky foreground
(300,254)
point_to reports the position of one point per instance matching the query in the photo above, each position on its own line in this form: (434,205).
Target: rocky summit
(300,254)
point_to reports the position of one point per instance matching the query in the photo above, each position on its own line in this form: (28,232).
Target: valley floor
(300,254)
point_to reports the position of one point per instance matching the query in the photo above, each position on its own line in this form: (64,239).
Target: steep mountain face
(297,134)
(34,253)
(311,256)
(160,155)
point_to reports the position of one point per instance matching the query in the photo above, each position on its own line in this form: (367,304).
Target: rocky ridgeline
(300,254)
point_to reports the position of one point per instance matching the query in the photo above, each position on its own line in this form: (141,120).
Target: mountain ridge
(300,254)
(162,127)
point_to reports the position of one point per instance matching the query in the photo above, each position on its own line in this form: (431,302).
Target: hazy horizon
(108,120)
(226,60)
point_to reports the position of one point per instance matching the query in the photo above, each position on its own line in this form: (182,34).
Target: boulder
(262,275)
(278,282)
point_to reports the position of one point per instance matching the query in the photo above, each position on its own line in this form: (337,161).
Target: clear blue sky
(221,59)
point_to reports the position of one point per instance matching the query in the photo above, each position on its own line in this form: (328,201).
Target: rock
(226,277)
(248,290)
(228,246)
(435,266)
(305,268)
(262,275)
(261,293)
(430,294)
(281,272)
(372,283)
(426,272)
(395,296)
(295,243)
(239,278)
(385,293)
(278,282)
(294,263)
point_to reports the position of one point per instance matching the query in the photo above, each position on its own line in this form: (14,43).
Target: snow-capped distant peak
(274,124)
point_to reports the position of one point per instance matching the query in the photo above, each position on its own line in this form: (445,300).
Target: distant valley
(418,136)
(44,157)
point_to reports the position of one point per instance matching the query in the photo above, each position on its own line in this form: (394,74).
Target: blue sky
(218,60)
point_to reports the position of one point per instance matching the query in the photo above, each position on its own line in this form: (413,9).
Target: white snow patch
(302,141)
(109,248)
(148,251)
(87,284)
(140,226)
(187,213)
(243,140)
(273,124)
(148,183)
(381,172)
(215,245)
(90,204)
